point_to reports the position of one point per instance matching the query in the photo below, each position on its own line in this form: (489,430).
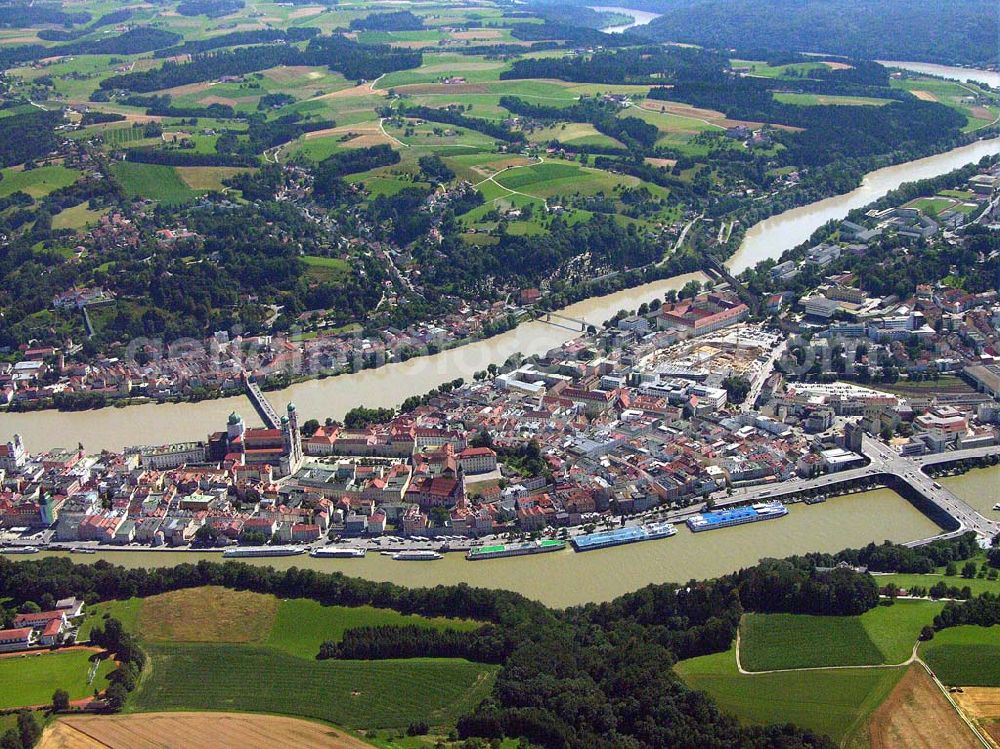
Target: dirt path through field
(917,715)
(200,730)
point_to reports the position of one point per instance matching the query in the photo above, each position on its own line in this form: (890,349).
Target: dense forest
(210,8)
(929,31)
(402,20)
(27,136)
(594,676)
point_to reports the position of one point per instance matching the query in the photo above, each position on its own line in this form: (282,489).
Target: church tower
(293,439)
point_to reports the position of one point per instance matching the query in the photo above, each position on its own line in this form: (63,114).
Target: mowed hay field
(36,182)
(967,656)
(982,706)
(917,715)
(193,731)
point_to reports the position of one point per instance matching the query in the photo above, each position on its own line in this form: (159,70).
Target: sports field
(31,679)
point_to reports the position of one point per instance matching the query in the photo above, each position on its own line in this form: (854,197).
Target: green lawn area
(833,702)
(301,625)
(76,217)
(812,100)
(894,629)
(967,656)
(36,182)
(883,635)
(326,268)
(354,694)
(764,70)
(774,641)
(214,614)
(31,679)
(127,612)
(977,585)
(153,181)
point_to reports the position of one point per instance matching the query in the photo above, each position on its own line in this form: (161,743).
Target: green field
(894,629)
(215,648)
(764,70)
(833,702)
(883,635)
(301,625)
(127,612)
(31,679)
(967,656)
(326,268)
(36,182)
(774,641)
(153,181)
(76,217)
(812,100)
(932,205)
(215,614)
(354,694)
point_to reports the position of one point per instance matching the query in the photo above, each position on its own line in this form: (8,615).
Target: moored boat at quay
(262,551)
(335,553)
(707,521)
(500,551)
(624,535)
(416,555)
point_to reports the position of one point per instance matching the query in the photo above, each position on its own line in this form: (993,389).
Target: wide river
(566,578)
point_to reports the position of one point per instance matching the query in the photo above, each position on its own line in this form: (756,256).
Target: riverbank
(767,239)
(389,385)
(566,578)
(986,77)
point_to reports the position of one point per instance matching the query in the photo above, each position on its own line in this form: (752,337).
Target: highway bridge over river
(904,475)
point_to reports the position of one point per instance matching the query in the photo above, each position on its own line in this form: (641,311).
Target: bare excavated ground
(916,715)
